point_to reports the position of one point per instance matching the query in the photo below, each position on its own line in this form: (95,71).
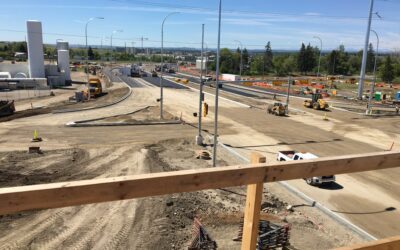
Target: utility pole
(369,109)
(365,53)
(199,138)
(162,62)
(133,48)
(217,88)
(143,39)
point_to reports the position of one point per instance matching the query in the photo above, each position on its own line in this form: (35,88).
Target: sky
(286,23)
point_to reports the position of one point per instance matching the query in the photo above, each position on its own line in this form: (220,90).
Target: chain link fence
(8,93)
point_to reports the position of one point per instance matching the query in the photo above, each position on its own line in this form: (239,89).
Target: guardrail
(56,195)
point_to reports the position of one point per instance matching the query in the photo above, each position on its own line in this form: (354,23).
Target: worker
(397,109)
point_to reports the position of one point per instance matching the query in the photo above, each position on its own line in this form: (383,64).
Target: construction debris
(201,239)
(204,155)
(270,236)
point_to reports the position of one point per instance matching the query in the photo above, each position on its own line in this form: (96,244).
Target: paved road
(166,83)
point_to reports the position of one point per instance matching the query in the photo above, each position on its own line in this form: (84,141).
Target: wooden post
(252,209)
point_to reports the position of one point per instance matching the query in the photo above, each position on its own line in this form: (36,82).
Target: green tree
(90,53)
(370,58)
(257,65)
(387,71)
(268,58)
(311,60)
(245,60)
(227,63)
(302,59)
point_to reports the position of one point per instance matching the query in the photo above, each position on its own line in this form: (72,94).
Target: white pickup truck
(294,156)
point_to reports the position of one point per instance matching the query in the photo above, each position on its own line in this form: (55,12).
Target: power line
(247,12)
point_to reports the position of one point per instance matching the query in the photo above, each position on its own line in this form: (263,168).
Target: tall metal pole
(199,138)
(111,45)
(217,88)
(142,39)
(206,58)
(365,53)
(241,58)
(373,83)
(87,52)
(320,54)
(162,62)
(288,95)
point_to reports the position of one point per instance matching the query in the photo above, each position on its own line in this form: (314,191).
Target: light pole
(199,138)
(87,51)
(111,44)
(320,53)
(241,58)
(365,53)
(374,81)
(143,39)
(162,62)
(217,88)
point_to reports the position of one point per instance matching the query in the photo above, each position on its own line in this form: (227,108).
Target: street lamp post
(162,62)
(217,88)
(241,58)
(369,109)
(111,44)
(365,53)
(87,51)
(320,53)
(199,138)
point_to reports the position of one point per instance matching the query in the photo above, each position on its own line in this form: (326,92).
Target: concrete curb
(362,233)
(73,124)
(96,107)
(105,117)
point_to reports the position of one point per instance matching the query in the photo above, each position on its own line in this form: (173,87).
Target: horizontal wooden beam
(65,194)
(391,243)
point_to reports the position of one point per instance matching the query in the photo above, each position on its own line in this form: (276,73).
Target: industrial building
(36,73)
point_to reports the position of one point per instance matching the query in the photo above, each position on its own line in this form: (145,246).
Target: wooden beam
(65,194)
(391,243)
(253,208)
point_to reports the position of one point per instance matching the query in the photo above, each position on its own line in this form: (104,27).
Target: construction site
(154,155)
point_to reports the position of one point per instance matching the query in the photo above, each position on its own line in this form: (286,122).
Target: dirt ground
(165,222)
(153,223)
(111,96)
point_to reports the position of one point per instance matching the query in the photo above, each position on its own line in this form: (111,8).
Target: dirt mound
(22,168)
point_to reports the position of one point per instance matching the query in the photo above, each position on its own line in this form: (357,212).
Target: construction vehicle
(291,155)
(7,108)
(316,102)
(95,88)
(277,109)
(135,70)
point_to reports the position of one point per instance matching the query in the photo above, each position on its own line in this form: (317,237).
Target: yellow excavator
(316,102)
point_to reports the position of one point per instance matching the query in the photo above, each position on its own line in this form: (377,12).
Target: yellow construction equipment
(95,88)
(277,109)
(316,102)
(205,109)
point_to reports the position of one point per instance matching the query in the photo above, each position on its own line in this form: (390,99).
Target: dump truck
(95,88)
(316,102)
(291,155)
(277,109)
